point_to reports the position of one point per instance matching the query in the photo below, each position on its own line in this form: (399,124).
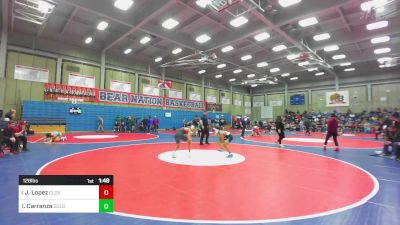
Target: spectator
(21,135)
(11,114)
(149,124)
(100,124)
(8,137)
(156,123)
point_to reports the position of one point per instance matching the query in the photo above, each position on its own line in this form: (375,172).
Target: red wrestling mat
(269,185)
(86,138)
(317,141)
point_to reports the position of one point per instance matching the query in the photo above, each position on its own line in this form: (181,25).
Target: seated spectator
(8,138)
(21,135)
(10,114)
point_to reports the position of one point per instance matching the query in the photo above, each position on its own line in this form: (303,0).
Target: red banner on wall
(62,92)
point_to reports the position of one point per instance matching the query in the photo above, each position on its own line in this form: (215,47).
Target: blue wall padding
(87,121)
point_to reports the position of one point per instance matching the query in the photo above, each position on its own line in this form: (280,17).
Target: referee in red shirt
(332,124)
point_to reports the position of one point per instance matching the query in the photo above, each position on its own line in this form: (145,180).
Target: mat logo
(116,97)
(146,100)
(181,103)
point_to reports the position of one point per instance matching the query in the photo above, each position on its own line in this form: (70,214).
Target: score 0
(106,195)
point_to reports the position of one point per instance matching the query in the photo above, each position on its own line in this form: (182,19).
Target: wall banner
(116,85)
(62,92)
(31,74)
(214,107)
(182,103)
(337,98)
(80,80)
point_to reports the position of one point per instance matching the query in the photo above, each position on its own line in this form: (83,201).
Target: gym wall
(87,121)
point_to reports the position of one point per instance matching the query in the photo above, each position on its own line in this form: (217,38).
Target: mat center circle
(95,136)
(200,158)
(311,140)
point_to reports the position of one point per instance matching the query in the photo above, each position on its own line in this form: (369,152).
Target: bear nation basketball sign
(337,98)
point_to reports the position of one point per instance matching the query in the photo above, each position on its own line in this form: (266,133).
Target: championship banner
(62,92)
(211,99)
(150,90)
(182,103)
(337,98)
(194,96)
(123,86)
(31,74)
(164,84)
(225,101)
(175,93)
(81,80)
(214,107)
(237,102)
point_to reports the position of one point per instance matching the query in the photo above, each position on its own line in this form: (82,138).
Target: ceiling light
(169,23)
(127,51)
(262,79)
(123,4)
(285,74)
(287,3)
(144,40)
(337,57)
(377,25)
(203,3)
(305,63)
(382,66)
(158,59)
(349,69)
(88,40)
(201,71)
(203,38)
(239,21)
(254,85)
(220,66)
(384,59)
(367,6)
(218,76)
(246,57)
(345,64)
(308,22)
(251,75)
(231,80)
(380,39)
(262,64)
(312,69)
(321,37)
(237,71)
(102,25)
(319,74)
(262,36)
(274,70)
(292,56)
(177,51)
(331,48)
(279,48)
(44,7)
(382,51)
(227,48)
(294,78)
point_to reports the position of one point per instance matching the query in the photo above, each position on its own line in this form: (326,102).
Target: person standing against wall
(244,124)
(332,129)
(11,114)
(280,129)
(100,124)
(156,123)
(205,132)
(149,124)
